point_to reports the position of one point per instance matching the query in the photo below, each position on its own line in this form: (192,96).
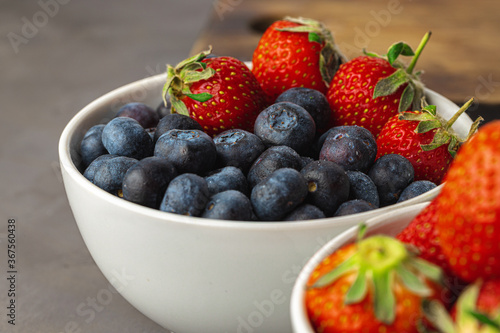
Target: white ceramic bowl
(191,274)
(390,223)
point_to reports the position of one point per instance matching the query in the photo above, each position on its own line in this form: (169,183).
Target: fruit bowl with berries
(210,186)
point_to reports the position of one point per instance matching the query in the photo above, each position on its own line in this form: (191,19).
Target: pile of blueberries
(290,168)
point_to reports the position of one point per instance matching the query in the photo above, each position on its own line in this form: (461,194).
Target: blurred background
(56,56)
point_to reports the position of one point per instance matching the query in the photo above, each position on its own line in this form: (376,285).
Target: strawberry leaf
(201,97)
(441,137)
(427,125)
(412,282)
(390,84)
(358,289)
(407,98)
(430,109)
(437,314)
(347,266)
(415,116)
(484,319)
(314,37)
(398,49)
(384,299)
(430,270)
(178,106)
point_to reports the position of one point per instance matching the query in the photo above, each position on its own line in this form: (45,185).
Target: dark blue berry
(328,185)
(146,181)
(229,205)
(175,121)
(190,151)
(91,146)
(187,194)
(110,173)
(305,212)
(279,194)
(89,172)
(353,207)
(312,101)
(126,137)
(272,159)
(391,174)
(286,124)
(362,187)
(239,148)
(353,147)
(227,178)
(415,189)
(146,116)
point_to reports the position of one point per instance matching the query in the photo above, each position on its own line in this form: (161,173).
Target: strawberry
(424,138)
(369,89)
(476,311)
(421,233)
(295,52)
(220,93)
(469,218)
(374,285)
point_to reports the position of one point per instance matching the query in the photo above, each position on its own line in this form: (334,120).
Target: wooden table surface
(460,61)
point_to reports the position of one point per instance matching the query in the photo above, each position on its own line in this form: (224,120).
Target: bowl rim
(67,166)
(298,313)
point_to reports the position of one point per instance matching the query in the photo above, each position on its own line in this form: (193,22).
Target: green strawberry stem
(376,262)
(460,111)
(419,50)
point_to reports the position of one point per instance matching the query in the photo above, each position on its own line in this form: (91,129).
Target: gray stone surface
(76,52)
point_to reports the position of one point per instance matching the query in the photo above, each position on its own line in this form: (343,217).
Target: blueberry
(190,151)
(109,175)
(353,207)
(391,174)
(175,121)
(286,124)
(144,115)
(272,159)
(91,146)
(145,182)
(305,212)
(164,109)
(313,101)
(239,148)
(227,178)
(415,189)
(353,147)
(306,160)
(229,205)
(126,137)
(89,172)
(187,194)
(362,187)
(328,185)
(278,194)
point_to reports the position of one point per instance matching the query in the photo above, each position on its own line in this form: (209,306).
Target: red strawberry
(295,52)
(421,233)
(476,311)
(368,90)
(375,285)
(424,138)
(220,93)
(469,218)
